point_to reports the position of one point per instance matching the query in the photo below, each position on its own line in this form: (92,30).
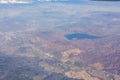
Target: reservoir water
(80,36)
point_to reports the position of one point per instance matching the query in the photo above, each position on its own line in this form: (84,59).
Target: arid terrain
(57,44)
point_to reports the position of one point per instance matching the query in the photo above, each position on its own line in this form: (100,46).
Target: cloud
(14,2)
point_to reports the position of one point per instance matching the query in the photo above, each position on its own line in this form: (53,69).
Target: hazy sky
(50,15)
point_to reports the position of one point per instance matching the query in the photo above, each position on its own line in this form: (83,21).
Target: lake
(80,36)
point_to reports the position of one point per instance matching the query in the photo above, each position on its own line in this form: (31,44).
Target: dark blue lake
(80,36)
